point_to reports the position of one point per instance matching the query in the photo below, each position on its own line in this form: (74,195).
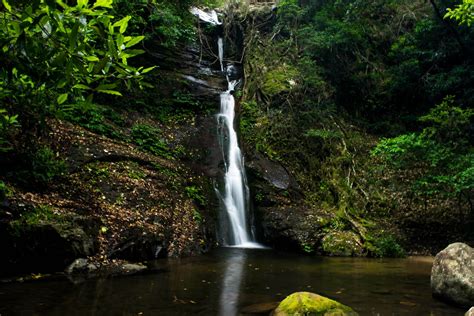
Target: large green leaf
(7,5)
(134,40)
(62,98)
(103,3)
(113,92)
(123,24)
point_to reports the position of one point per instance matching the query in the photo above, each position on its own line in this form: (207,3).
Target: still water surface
(227,280)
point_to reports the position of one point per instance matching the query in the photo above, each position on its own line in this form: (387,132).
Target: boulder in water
(81,265)
(306,303)
(452,275)
(470,312)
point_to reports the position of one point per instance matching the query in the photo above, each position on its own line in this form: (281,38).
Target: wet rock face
(271,171)
(306,303)
(137,246)
(284,222)
(452,275)
(195,66)
(25,249)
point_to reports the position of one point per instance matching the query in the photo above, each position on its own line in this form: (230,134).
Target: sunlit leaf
(7,5)
(82,3)
(135,40)
(81,86)
(123,24)
(113,92)
(144,71)
(92,58)
(103,3)
(62,98)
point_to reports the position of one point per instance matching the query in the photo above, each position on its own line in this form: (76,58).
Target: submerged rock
(306,303)
(132,268)
(452,275)
(343,244)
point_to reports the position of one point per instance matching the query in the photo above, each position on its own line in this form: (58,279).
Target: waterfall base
(248,245)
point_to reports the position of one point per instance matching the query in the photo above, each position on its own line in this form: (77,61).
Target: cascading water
(235,193)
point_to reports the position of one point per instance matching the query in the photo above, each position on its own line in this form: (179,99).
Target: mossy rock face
(306,303)
(343,244)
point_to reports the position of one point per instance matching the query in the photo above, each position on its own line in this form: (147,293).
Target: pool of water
(229,279)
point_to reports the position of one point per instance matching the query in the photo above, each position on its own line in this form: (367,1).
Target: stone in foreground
(306,303)
(470,312)
(452,275)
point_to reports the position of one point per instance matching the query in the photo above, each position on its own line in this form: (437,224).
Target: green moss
(306,303)
(279,79)
(43,166)
(99,119)
(342,243)
(39,215)
(150,139)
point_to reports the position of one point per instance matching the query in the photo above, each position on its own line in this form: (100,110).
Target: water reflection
(231,283)
(229,280)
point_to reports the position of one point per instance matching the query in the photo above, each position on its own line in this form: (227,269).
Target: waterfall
(206,17)
(235,195)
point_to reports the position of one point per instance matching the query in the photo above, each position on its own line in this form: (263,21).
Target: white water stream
(235,195)
(235,192)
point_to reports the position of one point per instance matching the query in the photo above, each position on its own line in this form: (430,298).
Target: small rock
(452,275)
(78,266)
(470,312)
(132,268)
(306,303)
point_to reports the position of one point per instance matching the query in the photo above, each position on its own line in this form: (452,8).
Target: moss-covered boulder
(306,303)
(343,244)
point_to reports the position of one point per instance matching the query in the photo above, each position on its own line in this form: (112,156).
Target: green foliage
(463,13)
(43,167)
(8,123)
(59,55)
(149,139)
(377,57)
(193,192)
(324,134)
(307,248)
(385,245)
(95,118)
(5,191)
(197,216)
(279,80)
(254,125)
(98,170)
(166,22)
(39,215)
(172,25)
(76,50)
(136,174)
(441,157)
